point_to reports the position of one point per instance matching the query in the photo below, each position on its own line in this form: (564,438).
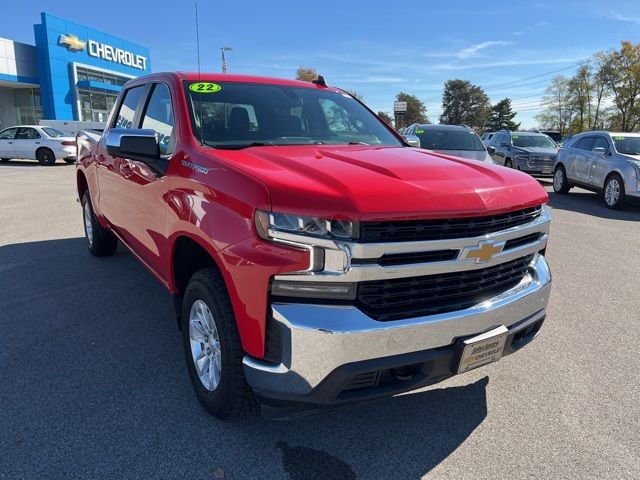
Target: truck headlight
(304,225)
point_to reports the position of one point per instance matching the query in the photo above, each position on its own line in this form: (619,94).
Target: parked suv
(456,140)
(603,162)
(534,153)
(315,259)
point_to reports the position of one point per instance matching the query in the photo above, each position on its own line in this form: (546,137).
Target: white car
(33,142)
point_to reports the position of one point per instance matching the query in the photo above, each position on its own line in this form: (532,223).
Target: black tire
(560,182)
(4,160)
(507,163)
(45,156)
(70,160)
(232,396)
(616,199)
(100,241)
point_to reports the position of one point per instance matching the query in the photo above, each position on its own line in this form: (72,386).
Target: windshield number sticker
(205,87)
(618,138)
(419,131)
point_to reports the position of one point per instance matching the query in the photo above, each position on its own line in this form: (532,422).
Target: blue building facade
(73,72)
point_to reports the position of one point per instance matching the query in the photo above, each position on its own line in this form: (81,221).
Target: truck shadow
(34,163)
(94,385)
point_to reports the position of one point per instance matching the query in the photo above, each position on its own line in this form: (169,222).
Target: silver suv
(603,162)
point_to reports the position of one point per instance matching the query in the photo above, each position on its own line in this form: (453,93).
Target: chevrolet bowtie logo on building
(483,252)
(72,42)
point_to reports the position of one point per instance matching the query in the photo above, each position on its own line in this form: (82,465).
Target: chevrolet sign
(117,55)
(104,51)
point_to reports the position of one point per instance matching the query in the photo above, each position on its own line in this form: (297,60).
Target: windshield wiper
(240,146)
(357,143)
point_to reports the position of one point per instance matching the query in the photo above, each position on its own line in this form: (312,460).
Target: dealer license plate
(482,349)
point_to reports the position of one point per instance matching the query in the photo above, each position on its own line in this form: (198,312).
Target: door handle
(9,142)
(37,143)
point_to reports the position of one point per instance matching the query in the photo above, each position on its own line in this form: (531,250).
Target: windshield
(239,115)
(434,139)
(533,141)
(627,145)
(54,132)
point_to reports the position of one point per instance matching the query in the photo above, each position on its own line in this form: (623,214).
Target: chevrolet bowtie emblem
(483,252)
(72,42)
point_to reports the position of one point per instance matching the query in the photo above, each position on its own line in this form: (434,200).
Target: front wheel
(4,160)
(100,241)
(613,192)
(212,346)
(560,183)
(45,156)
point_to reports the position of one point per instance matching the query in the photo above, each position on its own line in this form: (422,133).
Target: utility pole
(224,61)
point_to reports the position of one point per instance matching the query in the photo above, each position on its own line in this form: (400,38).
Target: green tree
(306,74)
(386,117)
(416,110)
(464,103)
(502,116)
(621,73)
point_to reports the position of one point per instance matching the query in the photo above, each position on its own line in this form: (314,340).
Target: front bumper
(336,355)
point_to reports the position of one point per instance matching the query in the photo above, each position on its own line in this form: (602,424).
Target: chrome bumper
(320,338)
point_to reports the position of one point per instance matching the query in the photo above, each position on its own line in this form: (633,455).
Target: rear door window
(127,113)
(8,134)
(27,134)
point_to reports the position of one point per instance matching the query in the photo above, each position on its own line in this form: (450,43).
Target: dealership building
(71,73)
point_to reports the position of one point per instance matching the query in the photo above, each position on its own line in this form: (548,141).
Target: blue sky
(376,48)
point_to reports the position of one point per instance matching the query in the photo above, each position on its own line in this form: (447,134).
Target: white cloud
(623,18)
(473,49)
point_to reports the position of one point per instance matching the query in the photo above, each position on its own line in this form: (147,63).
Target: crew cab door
(132,191)
(7,149)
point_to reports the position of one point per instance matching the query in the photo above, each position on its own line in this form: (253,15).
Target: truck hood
(381,183)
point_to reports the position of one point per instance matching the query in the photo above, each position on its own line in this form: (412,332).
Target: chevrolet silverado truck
(315,259)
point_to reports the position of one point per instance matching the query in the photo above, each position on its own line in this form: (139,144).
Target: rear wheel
(560,183)
(100,241)
(613,192)
(212,346)
(45,156)
(4,160)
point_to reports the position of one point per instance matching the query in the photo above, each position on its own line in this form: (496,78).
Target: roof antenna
(319,81)
(199,76)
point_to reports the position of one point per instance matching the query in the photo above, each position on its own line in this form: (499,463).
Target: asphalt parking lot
(93,382)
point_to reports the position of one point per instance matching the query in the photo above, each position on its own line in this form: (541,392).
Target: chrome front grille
(399,279)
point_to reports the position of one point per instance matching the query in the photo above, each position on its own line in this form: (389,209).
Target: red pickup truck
(315,258)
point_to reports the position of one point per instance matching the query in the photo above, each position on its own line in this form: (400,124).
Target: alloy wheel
(88,223)
(612,192)
(205,345)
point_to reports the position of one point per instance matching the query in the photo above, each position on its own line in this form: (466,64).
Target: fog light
(325,290)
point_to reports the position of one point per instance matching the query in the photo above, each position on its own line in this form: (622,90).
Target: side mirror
(412,140)
(491,150)
(600,150)
(136,144)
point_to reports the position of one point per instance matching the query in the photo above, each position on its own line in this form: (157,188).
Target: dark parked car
(531,152)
